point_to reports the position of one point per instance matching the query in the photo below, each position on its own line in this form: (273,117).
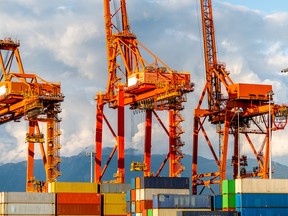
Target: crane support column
(148,139)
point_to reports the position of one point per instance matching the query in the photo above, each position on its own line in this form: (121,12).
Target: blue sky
(64,41)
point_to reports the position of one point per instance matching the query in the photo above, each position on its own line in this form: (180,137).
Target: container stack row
(154,196)
(114,199)
(257,196)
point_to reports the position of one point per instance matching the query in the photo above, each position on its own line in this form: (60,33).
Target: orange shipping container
(78,209)
(133,195)
(138,206)
(78,198)
(138,183)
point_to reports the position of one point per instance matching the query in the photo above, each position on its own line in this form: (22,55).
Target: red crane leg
(172,143)
(148,138)
(98,140)
(30,159)
(121,132)
(195,155)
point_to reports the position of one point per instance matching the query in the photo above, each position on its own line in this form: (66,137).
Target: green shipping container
(229,201)
(228,187)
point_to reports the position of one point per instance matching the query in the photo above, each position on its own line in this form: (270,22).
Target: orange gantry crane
(31,97)
(235,109)
(134,82)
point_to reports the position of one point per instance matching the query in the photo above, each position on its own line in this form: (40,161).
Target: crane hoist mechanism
(134,82)
(235,109)
(38,101)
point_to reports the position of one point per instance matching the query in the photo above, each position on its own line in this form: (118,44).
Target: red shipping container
(78,209)
(78,198)
(146,204)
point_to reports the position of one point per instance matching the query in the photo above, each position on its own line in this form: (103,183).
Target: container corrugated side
(172,201)
(28,209)
(164,182)
(207,213)
(114,209)
(228,201)
(147,193)
(128,196)
(79,209)
(133,183)
(262,200)
(114,188)
(147,212)
(263,211)
(217,200)
(27,197)
(228,186)
(170,212)
(78,198)
(261,185)
(114,198)
(72,187)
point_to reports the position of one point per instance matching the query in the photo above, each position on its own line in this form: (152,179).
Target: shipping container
(262,200)
(128,207)
(114,188)
(261,186)
(217,202)
(138,183)
(146,204)
(171,201)
(27,209)
(133,195)
(263,211)
(78,198)
(78,209)
(138,194)
(73,187)
(114,209)
(229,201)
(128,196)
(138,206)
(147,212)
(133,183)
(133,207)
(207,213)
(164,182)
(228,186)
(24,197)
(170,212)
(114,198)
(147,193)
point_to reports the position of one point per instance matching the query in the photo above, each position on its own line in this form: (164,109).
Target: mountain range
(77,169)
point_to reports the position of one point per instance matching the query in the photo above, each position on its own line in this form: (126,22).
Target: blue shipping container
(207,213)
(262,200)
(164,182)
(128,196)
(217,201)
(133,183)
(181,201)
(263,211)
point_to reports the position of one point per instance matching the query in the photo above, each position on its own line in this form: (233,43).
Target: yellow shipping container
(114,198)
(114,209)
(72,187)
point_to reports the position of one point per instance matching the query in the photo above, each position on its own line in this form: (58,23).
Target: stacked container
(261,196)
(140,198)
(114,199)
(170,204)
(22,203)
(76,198)
(228,195)
(79,204)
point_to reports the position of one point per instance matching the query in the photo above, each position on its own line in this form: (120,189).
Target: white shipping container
(173,212)
(27,197)
(138,194)
(28,209)
(147,193)
(261,186)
